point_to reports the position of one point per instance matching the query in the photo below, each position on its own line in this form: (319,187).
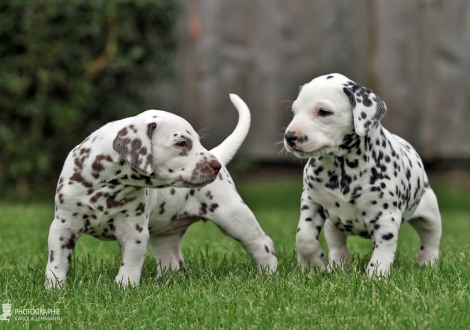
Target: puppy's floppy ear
(134,144)
(368,108)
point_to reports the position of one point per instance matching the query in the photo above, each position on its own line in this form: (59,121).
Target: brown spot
(138,241)
(84,151)
(71,243)
(140,208)
(150,128)
(172,191)
(69,257)
(95,198)
(51,256)
(266,248)
(98,163)
(214,206)
(111,202)
(77,177)
(123,132)
(139,228)
(203,208)
(61,198)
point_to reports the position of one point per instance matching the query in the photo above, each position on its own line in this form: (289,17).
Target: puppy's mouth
(182,183)
(308,154)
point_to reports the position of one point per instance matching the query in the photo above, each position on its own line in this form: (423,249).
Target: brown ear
(134,144)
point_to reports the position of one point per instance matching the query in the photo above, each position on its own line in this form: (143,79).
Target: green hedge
(67,67)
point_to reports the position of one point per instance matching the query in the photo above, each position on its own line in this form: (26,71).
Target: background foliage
(66,64)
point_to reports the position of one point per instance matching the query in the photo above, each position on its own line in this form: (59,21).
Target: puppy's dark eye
(324,113)
(181,143)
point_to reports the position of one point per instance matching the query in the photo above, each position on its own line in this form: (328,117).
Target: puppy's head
(165,146)
(328,108)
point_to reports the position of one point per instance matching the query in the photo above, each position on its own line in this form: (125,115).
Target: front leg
(312,218)
(338,252)
(384,234)
(132,235)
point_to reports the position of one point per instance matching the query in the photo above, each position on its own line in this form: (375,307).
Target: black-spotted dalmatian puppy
(176,209)
(105,191)
(360,180)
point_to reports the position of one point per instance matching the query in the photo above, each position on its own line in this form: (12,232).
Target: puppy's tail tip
(229,147)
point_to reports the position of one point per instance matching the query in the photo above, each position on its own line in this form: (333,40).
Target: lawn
(222,289)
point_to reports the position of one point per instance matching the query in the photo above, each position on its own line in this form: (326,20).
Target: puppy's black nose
(290,138)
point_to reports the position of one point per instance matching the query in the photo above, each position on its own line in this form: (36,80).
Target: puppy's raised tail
(229,147)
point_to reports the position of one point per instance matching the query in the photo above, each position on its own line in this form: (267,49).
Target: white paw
(54,283)
(125,281)
(378,270)
(427,258)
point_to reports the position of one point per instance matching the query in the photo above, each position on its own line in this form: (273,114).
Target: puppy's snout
(290,138)
(215,165)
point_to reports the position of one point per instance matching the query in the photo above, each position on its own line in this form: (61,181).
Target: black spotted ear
(134,144)
(368,108)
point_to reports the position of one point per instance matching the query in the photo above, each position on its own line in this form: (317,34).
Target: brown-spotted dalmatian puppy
(105,191)
(360,180)
(176,209)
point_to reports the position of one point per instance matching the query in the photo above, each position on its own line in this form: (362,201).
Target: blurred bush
(67,67)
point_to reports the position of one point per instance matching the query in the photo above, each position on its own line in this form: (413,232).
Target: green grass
(222,288)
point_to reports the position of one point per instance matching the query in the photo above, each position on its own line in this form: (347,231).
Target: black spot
(387,237)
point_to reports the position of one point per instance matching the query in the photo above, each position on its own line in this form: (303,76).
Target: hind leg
(427,222)
(237,221)
(61,242)
(166,247)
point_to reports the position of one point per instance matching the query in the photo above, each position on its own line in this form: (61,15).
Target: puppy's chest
(344,195)
(348,217)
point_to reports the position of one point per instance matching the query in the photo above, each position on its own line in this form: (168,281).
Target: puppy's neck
(360,147)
